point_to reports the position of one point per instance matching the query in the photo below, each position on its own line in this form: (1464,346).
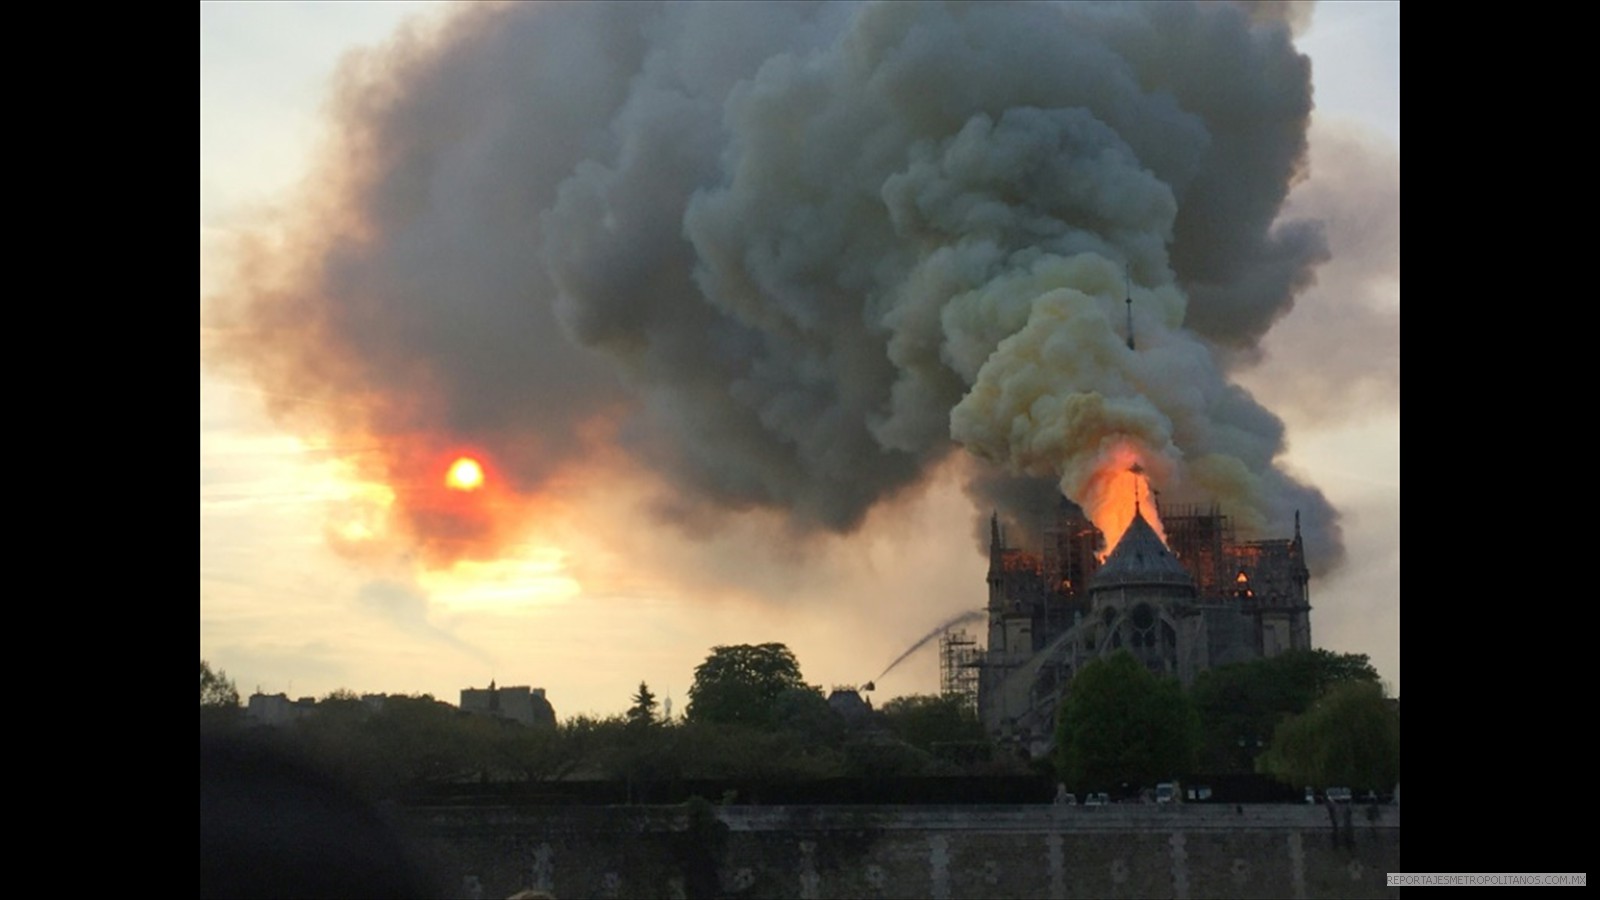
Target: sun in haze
(465,475)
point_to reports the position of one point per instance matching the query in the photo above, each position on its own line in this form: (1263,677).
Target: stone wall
(904,851)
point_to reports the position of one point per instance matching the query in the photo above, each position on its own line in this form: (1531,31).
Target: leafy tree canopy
(216,688)
(1120,723)
(805,714)
(1349,738)
(741,684)
(1241,705)
(924,720)
(219,699)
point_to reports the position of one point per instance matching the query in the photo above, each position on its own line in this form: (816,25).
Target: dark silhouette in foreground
(274,826)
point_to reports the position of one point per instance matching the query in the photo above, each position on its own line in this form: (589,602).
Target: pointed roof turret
(1141,558)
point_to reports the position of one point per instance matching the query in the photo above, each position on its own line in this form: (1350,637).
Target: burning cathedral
(1198,598)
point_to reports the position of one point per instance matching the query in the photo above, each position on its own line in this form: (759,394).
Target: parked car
(1339,794)
(1096,799)
(1166,792)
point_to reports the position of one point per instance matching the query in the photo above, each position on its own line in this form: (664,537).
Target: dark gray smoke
(791,254)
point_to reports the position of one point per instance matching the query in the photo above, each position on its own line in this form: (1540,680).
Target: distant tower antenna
(1127,281)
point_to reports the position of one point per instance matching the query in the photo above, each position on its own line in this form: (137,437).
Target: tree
(754,754)
(642,713)
(742,684)
(219,699)
(1241,705)
(1119,723)
(401,743)
(924,720)
(1349,738)
(216,689)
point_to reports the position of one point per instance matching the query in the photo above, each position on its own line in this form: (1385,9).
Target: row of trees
(751,718)
(1310,717)
(1306,718)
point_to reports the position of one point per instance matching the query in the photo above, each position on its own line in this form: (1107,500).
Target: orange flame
(1019,561)
(1114,491)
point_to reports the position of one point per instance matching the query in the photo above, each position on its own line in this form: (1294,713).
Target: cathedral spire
(1127,281)
(1136,469)
(995,547)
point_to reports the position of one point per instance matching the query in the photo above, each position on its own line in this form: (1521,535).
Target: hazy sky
(612,572)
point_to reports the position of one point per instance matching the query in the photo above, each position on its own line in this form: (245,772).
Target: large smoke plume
(789,256)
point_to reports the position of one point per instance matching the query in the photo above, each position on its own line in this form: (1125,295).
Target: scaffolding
(1201,538)
(958,667)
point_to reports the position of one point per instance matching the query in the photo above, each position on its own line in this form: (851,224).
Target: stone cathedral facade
(1197,600)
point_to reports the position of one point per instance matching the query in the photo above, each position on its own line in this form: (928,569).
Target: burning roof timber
(1200,540)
